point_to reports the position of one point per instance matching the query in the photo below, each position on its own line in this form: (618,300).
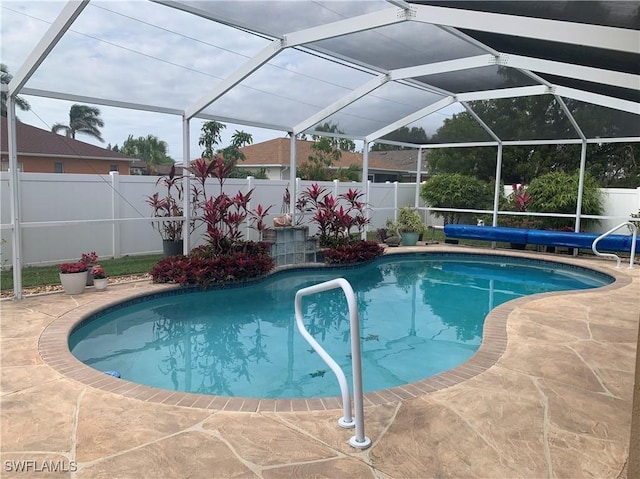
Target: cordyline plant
(225,257)
(335,217)
(204,267)
(222,214)
(169,205)
(520,198)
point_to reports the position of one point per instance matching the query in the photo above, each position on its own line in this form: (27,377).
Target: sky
(130,50)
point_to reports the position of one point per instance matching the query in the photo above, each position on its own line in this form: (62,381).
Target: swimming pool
(420,315)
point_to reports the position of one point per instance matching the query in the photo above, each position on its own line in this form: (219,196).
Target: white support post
(365,185)
(115,213)
(16,216)
(293,179)
(416,201)
(186,200)
(496,191)
(583,161)
(336,188)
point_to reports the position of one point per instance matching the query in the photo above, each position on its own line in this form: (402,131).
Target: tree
(557,192)
(149,149)
(415,135)
(534,118)
(456,191)
(210,138)
(82,119)
(5,78)
(325,152)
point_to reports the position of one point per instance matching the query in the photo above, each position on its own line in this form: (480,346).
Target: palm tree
(82,119)
(149,149)
(5,78)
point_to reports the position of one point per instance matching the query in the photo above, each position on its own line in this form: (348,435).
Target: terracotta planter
(100,284)
(74,283)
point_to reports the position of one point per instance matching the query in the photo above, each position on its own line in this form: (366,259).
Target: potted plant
(410,226)
(90,259)
(168,206)
(100,281)
(73,277)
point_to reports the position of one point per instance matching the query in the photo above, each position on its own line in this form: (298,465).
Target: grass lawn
(42,275)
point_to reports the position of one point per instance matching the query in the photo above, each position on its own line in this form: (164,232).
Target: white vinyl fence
(65,215)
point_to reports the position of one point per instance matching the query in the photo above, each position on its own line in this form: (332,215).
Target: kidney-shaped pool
(420,315)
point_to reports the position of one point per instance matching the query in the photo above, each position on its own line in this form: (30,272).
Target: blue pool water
(420,315)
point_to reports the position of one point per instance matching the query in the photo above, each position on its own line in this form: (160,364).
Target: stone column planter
(74,283)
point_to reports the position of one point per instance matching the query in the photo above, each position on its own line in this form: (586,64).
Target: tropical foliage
(210,138)
(456,191)
(150,149)
(326,151)
(414,135)
(5,78)
(82,119)
(557,192)
(205,266)
(614,164)
(336,218)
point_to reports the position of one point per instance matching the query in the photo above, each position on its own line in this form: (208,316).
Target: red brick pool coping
(54,350)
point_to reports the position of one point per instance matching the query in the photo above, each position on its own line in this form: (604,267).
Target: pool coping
(54,351)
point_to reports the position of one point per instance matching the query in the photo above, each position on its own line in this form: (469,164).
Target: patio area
(548,395)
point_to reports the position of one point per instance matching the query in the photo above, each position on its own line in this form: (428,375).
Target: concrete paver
(549,396)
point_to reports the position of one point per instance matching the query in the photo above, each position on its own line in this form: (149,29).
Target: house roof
(404,159)
(37,142)
(277,152)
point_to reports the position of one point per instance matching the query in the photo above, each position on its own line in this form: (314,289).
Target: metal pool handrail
(359,440)
(634,230)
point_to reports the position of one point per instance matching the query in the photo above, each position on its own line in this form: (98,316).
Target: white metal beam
(443,67)
(236,77)
(504,93)
(99,101)
(346,100)
(48,41)
(596,75)
(439,105)
(602,100)
(359,23)
(243,122)
(596,36)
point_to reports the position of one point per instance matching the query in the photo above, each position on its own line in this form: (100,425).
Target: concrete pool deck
(549,396)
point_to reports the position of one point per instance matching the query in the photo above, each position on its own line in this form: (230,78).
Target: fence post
(367,210)
(249,187)
(395,201)
(115,213)
(336,186)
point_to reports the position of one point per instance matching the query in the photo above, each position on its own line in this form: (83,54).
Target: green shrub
(557,192)
(456,191)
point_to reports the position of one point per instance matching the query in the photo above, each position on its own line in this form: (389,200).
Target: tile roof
(277,151)
(35,141)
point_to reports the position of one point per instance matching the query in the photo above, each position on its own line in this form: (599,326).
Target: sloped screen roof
(368,67)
